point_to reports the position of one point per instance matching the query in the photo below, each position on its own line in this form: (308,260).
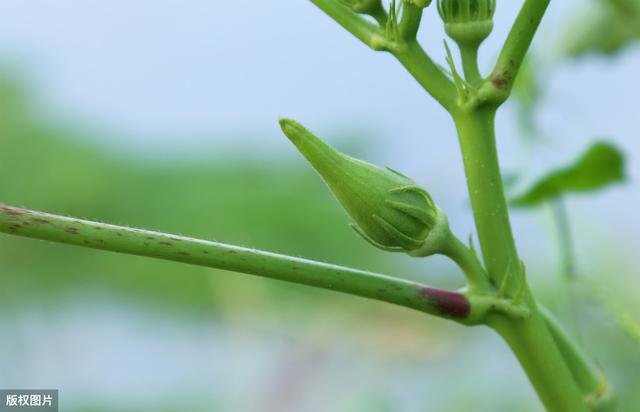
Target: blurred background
(163,115)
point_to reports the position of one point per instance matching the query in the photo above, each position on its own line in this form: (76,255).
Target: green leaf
(601,165)
(606,28)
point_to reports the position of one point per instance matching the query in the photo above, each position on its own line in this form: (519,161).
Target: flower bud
(467,22)
(388,208)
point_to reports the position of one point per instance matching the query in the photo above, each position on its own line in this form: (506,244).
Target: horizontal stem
(55,228)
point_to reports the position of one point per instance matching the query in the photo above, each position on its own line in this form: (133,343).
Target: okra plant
(391,212)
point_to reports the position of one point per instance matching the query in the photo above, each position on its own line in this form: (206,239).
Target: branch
(55,228)
(468,262)
(410,22)
(406,49)
(358,26)
(498,88)
(469,57)
(428,74)
(592,382)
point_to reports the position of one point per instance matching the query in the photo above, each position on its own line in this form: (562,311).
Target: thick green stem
(592,382)
(45,226)
(529,339)
(477,142)
(535,349)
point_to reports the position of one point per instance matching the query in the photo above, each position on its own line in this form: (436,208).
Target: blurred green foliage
(599,166)
(278,206)
(605,304)
(526,95)
(281,206)
(604,27)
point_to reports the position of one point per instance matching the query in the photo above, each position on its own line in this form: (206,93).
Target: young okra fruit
(389,209)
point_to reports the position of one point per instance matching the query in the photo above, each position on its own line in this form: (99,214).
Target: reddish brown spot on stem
(184,253)
(72,230)
(13,211)
(40,220)
(500,80)
(165,243)
(447,303)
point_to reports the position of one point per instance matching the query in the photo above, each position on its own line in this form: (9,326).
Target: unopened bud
(388,208)
(467,22)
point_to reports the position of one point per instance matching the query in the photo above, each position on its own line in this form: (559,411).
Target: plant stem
(477,142)
(45,226)
(411,16)
(515,49)
(468,262)
(565,240)
(380,16)
(427,73)
(539,356)
(469,55)
(567,264)
(406,50)
(587,375)
(355,24)
(529,339)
